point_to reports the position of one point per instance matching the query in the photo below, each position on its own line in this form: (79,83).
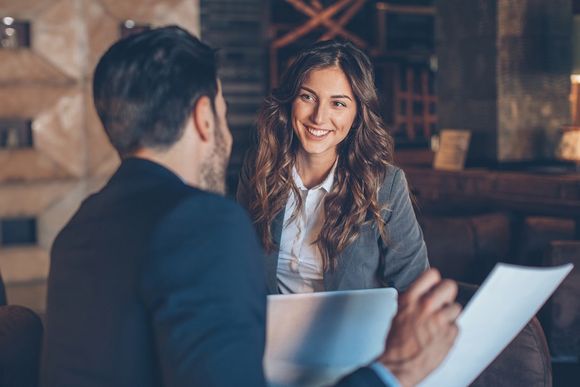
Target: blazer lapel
(333,277)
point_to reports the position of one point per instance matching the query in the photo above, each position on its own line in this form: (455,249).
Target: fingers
(450,313)
(443,343)
(439,296)
(424,329)
(422,285)
(443,323)
(450,336)
(445,316)
(436,326)
(444,335)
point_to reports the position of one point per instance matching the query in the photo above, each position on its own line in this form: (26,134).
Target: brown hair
(364,155)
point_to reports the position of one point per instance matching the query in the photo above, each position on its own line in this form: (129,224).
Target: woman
(331,210)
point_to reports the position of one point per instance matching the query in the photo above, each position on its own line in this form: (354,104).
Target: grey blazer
(370,261)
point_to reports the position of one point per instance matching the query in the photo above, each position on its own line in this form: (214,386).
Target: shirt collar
(326,183)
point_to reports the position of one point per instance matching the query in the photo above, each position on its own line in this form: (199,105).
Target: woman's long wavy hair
(364,154)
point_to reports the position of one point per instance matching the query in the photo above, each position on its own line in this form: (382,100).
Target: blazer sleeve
(404,254)
(204,290)
(362,377)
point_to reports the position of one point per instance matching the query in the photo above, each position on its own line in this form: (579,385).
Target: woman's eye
(339,104)
(306,97)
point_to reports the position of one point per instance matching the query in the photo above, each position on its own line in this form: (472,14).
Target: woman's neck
(313,169)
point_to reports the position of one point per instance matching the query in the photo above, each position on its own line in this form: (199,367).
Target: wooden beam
(338,28)
(406,9)
(315,21)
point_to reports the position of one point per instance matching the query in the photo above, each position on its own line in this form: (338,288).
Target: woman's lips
(317,133)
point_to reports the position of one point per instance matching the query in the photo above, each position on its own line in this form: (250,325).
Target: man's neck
(175,162)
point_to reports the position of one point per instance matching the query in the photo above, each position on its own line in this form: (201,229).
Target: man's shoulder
(203,231)
(202,213)
(204,202)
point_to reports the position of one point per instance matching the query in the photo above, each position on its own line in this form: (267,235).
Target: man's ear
(203,118)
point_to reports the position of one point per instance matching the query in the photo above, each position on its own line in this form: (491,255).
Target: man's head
(157,92)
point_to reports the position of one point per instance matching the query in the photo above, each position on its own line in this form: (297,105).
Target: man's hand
(423,330)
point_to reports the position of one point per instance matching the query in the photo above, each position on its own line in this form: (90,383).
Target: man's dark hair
(146,85)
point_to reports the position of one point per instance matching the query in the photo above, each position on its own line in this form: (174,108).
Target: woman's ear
(203,118)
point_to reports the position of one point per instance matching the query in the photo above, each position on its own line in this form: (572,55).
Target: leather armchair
(20,344)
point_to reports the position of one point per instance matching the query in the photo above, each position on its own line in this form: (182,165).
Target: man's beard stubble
(213,173)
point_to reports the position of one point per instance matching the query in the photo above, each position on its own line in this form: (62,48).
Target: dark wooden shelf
(543,194)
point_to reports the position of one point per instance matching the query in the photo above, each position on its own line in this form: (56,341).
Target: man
(156,281)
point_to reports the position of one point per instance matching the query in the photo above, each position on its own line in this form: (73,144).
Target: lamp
(569,147)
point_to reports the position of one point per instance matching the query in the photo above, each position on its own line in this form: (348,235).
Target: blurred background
(506,71)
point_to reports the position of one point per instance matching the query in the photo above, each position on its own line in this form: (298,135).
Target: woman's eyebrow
(332,96)
(341,96)
(308,90)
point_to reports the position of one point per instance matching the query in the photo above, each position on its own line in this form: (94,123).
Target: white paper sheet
(313,339)
(506,301)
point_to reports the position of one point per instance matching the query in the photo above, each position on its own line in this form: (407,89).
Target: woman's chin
(316,149)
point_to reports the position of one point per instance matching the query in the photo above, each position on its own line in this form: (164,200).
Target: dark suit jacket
(156,283)
(369,261)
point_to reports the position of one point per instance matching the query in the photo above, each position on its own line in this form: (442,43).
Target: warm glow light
(575,78)
(8,20)
(569,147)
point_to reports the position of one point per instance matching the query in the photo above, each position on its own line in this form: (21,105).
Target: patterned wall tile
(59,133)
(26,66)
(57,115)
(102,30)
(51,204)
(23,264)
(28,165)
(30,293)
(59,36)
(23,9)
(27,100)
(157,12)
(30,199)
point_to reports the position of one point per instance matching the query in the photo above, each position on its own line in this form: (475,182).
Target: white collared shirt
(299,260)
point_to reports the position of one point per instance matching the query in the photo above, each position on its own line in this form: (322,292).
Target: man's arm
(204,289)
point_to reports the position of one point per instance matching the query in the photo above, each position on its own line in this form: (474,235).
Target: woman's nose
(319,114)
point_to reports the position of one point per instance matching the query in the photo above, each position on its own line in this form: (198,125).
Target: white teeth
(317,132)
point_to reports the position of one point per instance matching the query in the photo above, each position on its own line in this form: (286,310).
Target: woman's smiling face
(323,111)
